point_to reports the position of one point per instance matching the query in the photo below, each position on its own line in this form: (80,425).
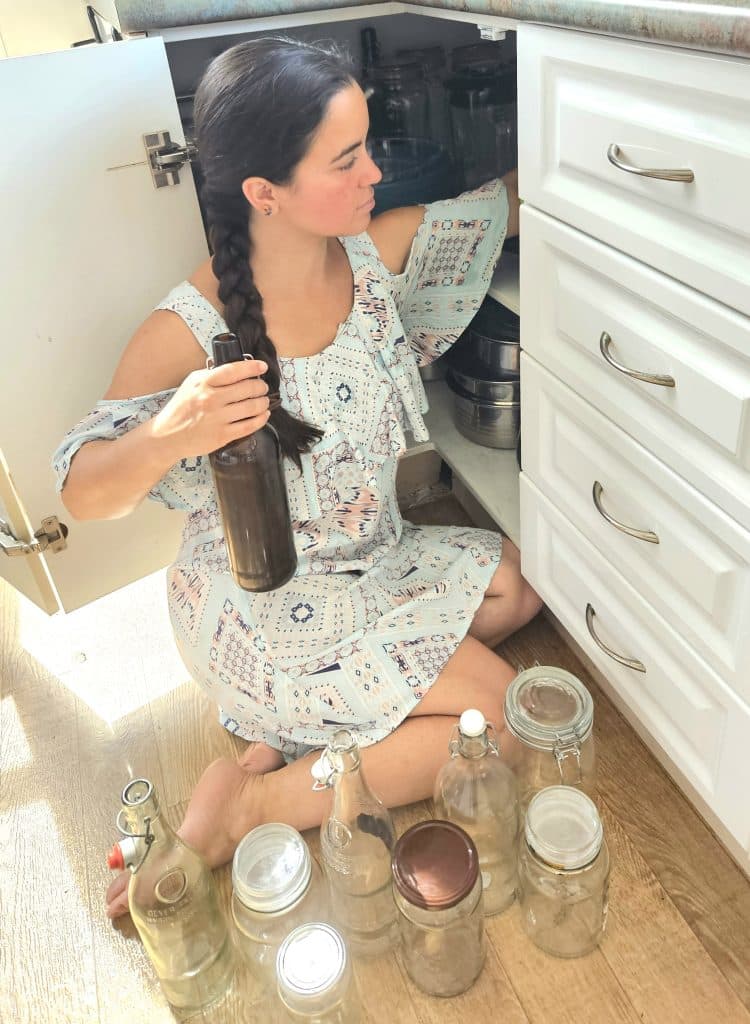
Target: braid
(243,313)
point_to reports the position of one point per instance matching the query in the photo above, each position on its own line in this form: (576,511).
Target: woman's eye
(348,167)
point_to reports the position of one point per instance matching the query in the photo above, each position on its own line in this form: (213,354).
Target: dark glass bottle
(253,501)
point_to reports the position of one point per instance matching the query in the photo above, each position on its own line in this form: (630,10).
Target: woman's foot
(226,804)
(261,758)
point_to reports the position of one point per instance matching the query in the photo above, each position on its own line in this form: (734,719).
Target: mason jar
(314,978)
(563,873)
(276,887)
(398,101)
(438,893)
(551,713)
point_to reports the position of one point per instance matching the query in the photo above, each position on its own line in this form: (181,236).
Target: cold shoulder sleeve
(449,268)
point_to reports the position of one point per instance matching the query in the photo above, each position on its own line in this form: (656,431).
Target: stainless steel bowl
(500,356)
(485,390)
(492,424)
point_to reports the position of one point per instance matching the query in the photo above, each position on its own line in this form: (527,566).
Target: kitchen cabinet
(654,264)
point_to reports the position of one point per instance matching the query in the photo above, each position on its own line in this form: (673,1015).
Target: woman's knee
(473,677)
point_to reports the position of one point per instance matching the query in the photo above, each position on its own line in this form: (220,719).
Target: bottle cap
(435,865)
(563,827)
(271,868)
(226,348)
(545,706)
(311,960)
(472,723)
(115,859)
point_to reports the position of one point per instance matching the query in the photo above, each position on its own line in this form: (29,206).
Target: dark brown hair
(257,110)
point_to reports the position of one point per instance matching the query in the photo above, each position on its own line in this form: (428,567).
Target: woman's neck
(288,261)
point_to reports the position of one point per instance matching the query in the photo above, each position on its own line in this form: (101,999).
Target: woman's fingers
(117,895)
(231,373)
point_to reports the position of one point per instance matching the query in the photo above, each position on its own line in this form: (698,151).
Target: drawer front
(664,108)
(684,555)
(587,308)
(698,721)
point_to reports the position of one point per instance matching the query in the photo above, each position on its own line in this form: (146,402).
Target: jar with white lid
(314,979)
(276,887)
(551,713)
(563,873)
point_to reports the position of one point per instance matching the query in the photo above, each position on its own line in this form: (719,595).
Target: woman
(386,628)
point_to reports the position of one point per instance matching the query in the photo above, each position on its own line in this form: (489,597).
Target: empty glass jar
(483,113)
(314,978)
(432,60)
(563,873)
(398,101)
(438,892)
(551,712)
(276,887)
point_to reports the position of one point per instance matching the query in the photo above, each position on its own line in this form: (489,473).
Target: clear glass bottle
(356,844)
(438,891)
(552,714)
(563,873)
(174,904)
(477,791)
(314,978)
(252,498)
(276,886)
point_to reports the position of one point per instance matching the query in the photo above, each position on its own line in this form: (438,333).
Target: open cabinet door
(88,246)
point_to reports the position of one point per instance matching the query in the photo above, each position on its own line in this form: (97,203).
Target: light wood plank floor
(95,697)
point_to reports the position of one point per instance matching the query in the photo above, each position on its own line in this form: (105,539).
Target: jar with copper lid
(563,873)
(551,712)
(438,892)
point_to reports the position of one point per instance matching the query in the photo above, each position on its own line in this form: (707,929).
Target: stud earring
(268,211)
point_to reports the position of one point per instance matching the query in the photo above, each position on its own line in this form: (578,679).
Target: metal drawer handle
(633,663)
(648,535)
(663,380)
(614,155)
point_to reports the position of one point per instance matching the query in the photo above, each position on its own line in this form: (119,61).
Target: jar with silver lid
(552,714)
(438,891)
(314,978)
(276,887)
(563,873)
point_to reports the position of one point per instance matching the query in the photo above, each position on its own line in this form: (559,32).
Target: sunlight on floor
(116,653)
(15,752)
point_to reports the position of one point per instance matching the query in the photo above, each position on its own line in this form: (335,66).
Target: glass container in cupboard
(551,713)
(438,891)
(563,873)
(276,886)
(314,979)
(478,792)
(398,101)
(434,66)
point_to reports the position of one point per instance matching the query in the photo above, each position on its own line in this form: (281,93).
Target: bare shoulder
(163,350)
(393,233)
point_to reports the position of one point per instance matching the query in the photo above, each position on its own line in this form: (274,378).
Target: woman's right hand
(213,407)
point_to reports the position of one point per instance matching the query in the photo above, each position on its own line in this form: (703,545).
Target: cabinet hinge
(165,158)
(491,32)
(49,537)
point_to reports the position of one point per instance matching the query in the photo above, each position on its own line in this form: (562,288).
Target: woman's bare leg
(509,603)
(229,800)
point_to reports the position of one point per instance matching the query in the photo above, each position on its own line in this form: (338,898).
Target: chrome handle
(614,155)
(633,663)
(663,380)
(648,535)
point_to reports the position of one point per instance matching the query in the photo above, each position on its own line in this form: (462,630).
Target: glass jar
(276,887)
(483,114)
(551,712)
(314,978)
(479,793)
(398,101)
(563,873)
(438,892)
(433,63)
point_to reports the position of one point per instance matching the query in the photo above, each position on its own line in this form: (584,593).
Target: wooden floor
(92,698)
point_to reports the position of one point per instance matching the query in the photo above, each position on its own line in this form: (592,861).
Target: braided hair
(257,108)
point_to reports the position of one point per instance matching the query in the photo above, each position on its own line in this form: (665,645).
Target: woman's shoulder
(205,281)
(393,233)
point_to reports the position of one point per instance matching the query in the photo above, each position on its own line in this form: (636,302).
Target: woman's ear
(260,194)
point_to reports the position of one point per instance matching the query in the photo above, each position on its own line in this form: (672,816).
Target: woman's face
(331,192)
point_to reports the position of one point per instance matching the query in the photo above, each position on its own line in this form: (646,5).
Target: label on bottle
(171,887)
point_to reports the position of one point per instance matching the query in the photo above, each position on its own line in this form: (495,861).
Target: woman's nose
(373,172)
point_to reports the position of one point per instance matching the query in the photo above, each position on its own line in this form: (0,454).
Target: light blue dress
(377,605)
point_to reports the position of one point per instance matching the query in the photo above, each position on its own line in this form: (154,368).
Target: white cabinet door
(663,109)
(88,247)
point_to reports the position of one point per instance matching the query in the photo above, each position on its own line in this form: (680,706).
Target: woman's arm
(393,231)
(109,478)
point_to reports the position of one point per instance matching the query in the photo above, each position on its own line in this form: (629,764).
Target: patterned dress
(377,605)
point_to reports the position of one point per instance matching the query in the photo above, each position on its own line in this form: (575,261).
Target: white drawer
(698,721)
(575,291)
(692,561)
(665,108)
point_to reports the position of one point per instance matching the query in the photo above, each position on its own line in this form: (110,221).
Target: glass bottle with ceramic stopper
(356,842)
(478,792)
